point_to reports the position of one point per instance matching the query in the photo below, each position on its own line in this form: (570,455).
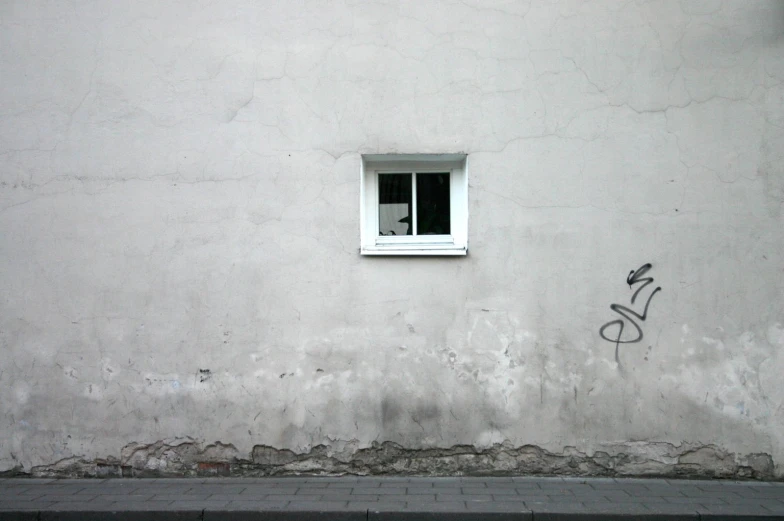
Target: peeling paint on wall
(188,458)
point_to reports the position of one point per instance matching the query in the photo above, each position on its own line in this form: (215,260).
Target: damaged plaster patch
(186,457)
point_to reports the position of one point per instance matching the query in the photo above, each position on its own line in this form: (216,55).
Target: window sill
(415,249)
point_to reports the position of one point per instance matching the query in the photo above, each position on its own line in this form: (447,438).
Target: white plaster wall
(179,190)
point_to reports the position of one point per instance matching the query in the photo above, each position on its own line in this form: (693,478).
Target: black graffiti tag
(635,277)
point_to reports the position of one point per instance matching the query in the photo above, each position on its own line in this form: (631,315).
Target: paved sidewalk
(392,499)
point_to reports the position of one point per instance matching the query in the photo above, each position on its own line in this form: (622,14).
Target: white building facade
(392,236)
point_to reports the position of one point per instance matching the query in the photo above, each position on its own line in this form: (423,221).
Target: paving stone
(281,497)
(62,493)
(330,479)
(158,482)
(656,491)
(119,516)
(529,479)
(496,491)
(319,505)
(17,489)
(593,481)
(603,485)
(450,498)
(481,498)
(455,506)
(501,506)
(773,493)
(125,497)
(538,498)
(449,482)
(213,489)
(519,485)
(104,507)
(670,509)
(284,515)
(263,491)
(341,484)
(615,496)
(451,516)
(770,504)
(420,482)
(24,505)
(368,483)
(423,498)
(729,512)
(649,499)
(197,504)
(473,487)
(346,496)
(696,500)
(233,481)
(515,484)
(62,489)
(227,497)
(690,482)
(722,493)
(558,485)
(164,490)
(433,490)
(310,493)
(380,490)
(313,484)
(6,496)
(255,506)
(67,499)
(534,491)
(121,490)
(431,496)
(172,497)
(384,506)
(376,491)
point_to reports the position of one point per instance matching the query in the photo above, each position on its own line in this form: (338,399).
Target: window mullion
(413,203)
(375,202)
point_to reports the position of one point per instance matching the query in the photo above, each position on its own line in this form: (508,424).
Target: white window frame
(455,243)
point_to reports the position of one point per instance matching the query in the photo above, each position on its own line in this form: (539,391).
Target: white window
(414,204)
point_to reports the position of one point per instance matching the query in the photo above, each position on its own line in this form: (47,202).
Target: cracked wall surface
(181,289)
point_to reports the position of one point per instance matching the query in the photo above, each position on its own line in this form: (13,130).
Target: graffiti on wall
(629,317)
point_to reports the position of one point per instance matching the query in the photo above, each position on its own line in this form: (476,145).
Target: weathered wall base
(190,458)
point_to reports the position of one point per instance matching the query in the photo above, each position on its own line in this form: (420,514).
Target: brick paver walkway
(394,498)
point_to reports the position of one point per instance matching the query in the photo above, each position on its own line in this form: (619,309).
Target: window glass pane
(433,204)
(394,204)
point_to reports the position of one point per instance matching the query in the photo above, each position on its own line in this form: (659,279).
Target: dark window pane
(394,204)
(433,204)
